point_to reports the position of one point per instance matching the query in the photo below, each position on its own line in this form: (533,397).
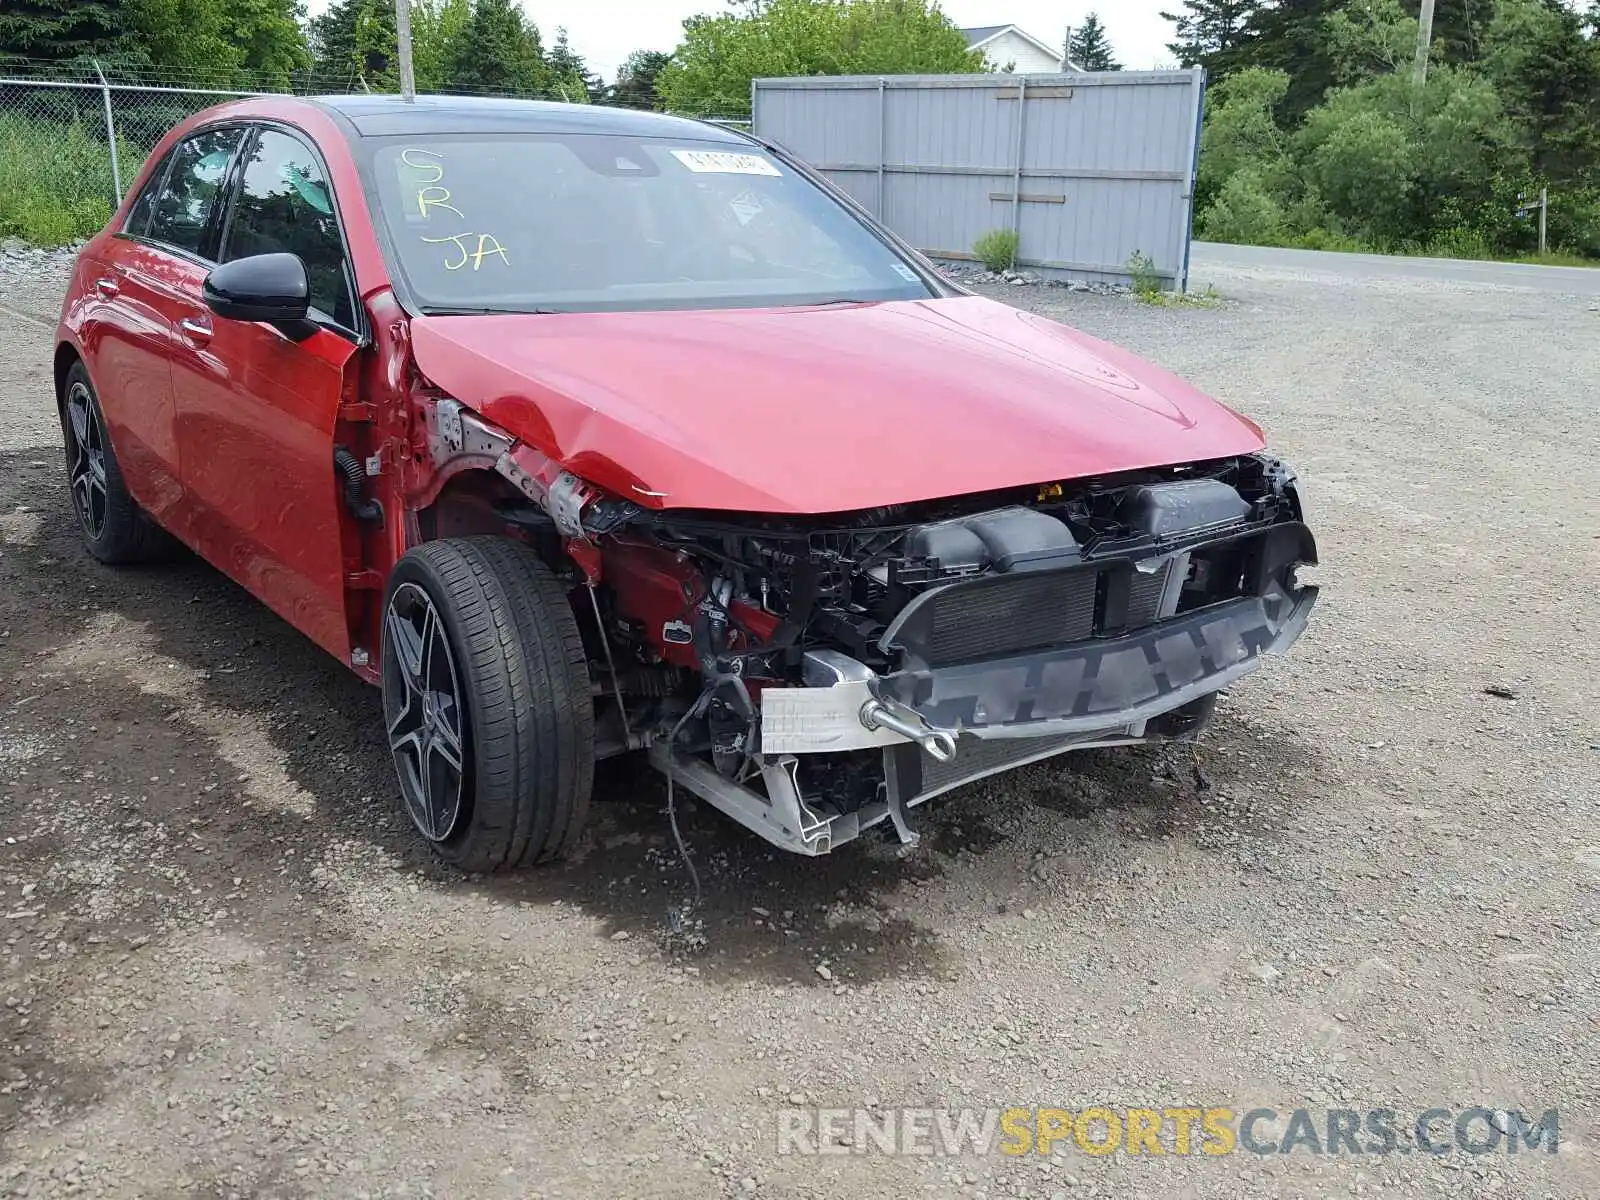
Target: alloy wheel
(87,461)
(423,711)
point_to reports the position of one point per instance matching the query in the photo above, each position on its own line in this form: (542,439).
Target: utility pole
(402,26)
(1424,42)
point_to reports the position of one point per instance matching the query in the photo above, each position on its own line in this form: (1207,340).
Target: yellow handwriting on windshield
(488,245)
(438,171)
(436,197)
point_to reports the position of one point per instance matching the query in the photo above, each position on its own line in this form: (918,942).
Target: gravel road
(1355,268)
(228,969)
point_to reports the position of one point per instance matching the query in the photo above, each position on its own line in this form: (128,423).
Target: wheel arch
(67,356)
(474,499)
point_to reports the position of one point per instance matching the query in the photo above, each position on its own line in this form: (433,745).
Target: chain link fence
(73,139)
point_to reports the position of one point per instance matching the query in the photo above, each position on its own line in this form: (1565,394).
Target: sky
(606,31)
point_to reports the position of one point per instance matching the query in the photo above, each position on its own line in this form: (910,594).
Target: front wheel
(487,702)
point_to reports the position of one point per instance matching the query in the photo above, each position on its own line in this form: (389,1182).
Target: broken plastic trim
(577,508)
(1109,683)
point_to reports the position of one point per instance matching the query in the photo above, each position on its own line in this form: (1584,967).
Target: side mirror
(263,287)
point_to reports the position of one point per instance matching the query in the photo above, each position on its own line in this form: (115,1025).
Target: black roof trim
(389,115)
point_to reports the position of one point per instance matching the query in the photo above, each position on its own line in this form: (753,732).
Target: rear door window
(190,200)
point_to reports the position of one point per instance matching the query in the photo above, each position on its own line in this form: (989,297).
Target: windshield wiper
(832,301)
(488,310)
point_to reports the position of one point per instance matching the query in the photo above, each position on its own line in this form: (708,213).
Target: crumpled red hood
(816,410)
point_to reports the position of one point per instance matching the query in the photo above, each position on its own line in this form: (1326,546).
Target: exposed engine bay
(815,676)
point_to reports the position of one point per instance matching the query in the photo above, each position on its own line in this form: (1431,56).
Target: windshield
(593,222)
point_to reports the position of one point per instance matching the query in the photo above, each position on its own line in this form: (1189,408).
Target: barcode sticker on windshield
(746,207)
(721,162)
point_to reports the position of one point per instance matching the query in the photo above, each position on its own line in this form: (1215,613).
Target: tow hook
(937,744)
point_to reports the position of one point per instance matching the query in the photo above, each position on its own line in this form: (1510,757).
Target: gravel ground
(229,970)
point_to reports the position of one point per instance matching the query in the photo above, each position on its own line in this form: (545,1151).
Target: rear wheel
(487,702)
(115,529)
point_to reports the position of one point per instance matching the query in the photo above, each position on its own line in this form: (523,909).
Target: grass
(997,249)
(1467,248)
(55,179)
(1208,298)
(1147,287)
(1555,258)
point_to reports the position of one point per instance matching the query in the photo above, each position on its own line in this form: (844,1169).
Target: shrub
(1146,278)
(1241,133)
(1459,242)
(1321,238)
(1575,220)
(1360,162)
(1244,212)
(997,249)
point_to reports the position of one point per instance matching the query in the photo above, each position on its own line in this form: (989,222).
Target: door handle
(196,329)
(107,287)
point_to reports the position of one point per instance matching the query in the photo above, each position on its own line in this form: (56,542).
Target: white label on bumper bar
(812,720)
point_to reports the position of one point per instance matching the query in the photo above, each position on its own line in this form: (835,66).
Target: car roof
(389,115)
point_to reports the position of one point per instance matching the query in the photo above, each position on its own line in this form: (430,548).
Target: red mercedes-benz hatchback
(583,431)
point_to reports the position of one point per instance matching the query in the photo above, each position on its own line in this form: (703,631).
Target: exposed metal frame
(782,816)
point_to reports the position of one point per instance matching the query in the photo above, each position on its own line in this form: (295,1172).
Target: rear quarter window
(138,222)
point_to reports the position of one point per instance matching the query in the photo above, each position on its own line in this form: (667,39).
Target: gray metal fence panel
(1089,169)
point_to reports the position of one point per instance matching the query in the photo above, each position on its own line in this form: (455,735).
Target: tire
(115,529)
(507,683)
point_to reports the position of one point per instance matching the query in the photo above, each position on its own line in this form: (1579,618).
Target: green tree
(1459,28)
(1244,211)
(62,30)
(1214,34)
(355,41)
(570,76)
(636,79)
(270,36)
(498,50)
(1547,73)
(1292,36)
(712,68)
(181,33)
(1359,159)
(435,27)
(1369,37)
(1318,132)
(1396,163)
(251,43)
(1089,47)
(1241,133)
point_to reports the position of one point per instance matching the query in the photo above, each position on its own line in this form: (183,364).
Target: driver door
(255,412)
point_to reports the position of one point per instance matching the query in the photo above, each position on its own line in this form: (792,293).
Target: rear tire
(115,529)
(487,703)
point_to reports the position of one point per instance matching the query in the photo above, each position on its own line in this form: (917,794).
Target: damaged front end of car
(814,677)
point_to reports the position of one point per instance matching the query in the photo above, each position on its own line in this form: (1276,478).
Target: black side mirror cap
(263,287)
